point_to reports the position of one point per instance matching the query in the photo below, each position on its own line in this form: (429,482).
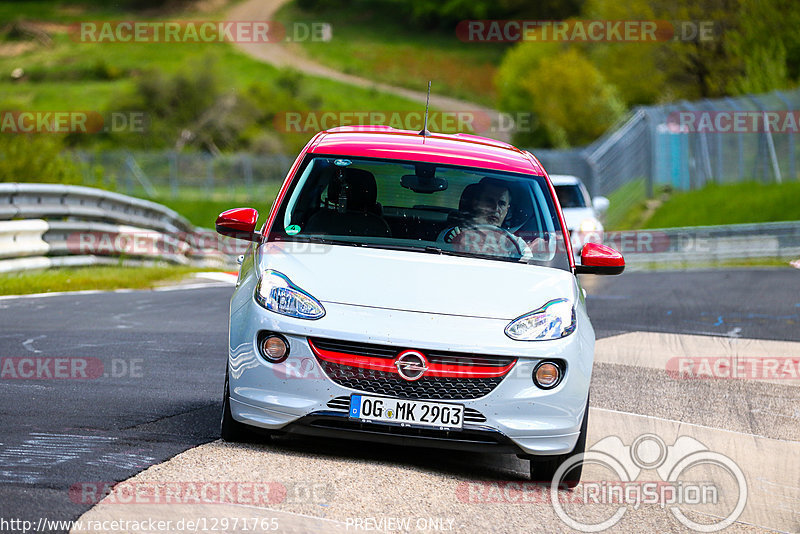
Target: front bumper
(298,397)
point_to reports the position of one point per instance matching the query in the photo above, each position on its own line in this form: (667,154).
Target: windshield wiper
(408,248)
(325,241)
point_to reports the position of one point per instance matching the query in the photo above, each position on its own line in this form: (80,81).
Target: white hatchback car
(413,289)
(581,213)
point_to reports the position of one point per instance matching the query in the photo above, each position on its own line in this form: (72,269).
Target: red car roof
(456,149)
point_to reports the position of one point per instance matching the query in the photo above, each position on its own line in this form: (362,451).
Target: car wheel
(232,430)
(543,468)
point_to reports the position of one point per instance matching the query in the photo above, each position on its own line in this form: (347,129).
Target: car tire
(232,430)
(543,468)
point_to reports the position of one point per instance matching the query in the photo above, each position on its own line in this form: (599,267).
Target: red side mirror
(239,223)
(600,259)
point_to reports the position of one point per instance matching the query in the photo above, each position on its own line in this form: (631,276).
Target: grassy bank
(626,206)
(369,39)
(749,202)
(58,72)
(91,278)
(203,213)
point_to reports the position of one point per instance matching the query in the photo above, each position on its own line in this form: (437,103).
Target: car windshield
(570,196)
(422,207)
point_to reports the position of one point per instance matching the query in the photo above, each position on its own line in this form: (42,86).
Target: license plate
(406,412)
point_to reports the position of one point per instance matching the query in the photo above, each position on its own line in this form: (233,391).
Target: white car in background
(581,212)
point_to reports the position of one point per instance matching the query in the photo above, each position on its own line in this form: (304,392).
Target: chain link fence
(689,144)
(684,145)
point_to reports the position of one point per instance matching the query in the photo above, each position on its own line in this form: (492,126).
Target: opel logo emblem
(411,365)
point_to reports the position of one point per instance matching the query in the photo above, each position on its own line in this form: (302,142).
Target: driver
(484,207)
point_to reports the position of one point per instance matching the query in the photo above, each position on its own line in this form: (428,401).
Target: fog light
(274,348)
(547,375)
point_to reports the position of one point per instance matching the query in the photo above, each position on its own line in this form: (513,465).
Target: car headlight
(589,225)
(554,320)
(277,293)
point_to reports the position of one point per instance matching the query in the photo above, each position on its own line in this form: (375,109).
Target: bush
(36,158)
(185,109)
(446,14)
(570,98)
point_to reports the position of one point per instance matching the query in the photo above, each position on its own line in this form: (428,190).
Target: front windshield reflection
(421,207)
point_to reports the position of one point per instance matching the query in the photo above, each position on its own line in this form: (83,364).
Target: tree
(572,102)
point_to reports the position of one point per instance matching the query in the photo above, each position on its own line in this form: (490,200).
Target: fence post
(248,171)
(769,144)
(786,101)
(717,177)
(173,173)
(652,135)
(739,142)
(210,174)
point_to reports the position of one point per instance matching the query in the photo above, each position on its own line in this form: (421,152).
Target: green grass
(370,39)
(722,264)
(203,212)
(63,10)
(85,278)
(748,202)
(236,69)
(626,206)
(72,75)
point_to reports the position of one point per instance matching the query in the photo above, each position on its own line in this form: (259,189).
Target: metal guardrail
(706,245)
(44,225)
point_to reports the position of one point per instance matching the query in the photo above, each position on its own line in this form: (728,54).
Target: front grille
(391,385)
(343,404)
(433,356)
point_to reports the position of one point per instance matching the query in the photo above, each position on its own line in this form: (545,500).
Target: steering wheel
(477,239)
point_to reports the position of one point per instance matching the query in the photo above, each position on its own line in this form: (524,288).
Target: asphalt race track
(123,381)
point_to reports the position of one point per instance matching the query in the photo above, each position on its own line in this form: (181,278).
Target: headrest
(362,191)
(468,197)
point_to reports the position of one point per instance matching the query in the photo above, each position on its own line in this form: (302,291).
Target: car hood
(417,281)
(574,216)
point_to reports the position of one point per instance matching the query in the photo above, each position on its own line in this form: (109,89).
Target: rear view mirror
(424,179)
(239,223)
(600,259)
